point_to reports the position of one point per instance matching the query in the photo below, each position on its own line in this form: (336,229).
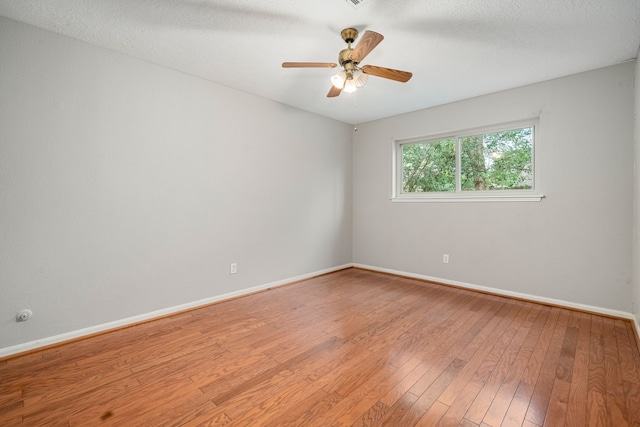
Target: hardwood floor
(352,348)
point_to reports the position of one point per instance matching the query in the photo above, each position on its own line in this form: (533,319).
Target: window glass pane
(497,161)
(429,166)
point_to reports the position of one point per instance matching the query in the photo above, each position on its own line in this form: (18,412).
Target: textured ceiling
(456,49)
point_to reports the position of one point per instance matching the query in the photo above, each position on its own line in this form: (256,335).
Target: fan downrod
(344,57)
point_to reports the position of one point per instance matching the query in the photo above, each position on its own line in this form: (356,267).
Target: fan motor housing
(344,57)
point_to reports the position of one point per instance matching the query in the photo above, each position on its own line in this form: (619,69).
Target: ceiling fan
(352,76)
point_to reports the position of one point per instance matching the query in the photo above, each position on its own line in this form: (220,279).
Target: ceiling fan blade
(367,43)
(308,65)
(387,73)
(334,91)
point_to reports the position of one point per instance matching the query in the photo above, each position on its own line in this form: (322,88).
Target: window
(482,164)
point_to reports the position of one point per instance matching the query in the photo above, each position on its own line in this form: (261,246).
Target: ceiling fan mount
(352,76)
(349,35)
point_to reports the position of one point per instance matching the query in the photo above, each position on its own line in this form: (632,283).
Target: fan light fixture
(349,80)
(352,76)
(338,79)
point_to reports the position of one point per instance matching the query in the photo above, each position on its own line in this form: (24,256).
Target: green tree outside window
(488,161)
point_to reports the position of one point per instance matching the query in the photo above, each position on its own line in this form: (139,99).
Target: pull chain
(355,110)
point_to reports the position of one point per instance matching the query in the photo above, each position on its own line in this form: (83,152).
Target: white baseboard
(69,336)
(105,327)
(496,291)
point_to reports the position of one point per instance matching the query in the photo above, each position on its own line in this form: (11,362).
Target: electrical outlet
(445,258)
(234,268)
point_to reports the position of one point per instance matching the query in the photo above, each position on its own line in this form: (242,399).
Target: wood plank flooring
(351,348)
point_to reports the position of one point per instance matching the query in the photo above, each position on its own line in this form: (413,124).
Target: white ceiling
(456,49)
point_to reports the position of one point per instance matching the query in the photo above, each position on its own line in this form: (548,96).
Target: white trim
(56,339)
(470,198)
(21,348)
(534,298)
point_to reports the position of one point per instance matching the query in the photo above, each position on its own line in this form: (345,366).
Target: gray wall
(127,188)
(575,245)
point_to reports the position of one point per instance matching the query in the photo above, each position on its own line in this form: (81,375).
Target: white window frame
(529,195)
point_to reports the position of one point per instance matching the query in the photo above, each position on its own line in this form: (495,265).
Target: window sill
(456,198)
